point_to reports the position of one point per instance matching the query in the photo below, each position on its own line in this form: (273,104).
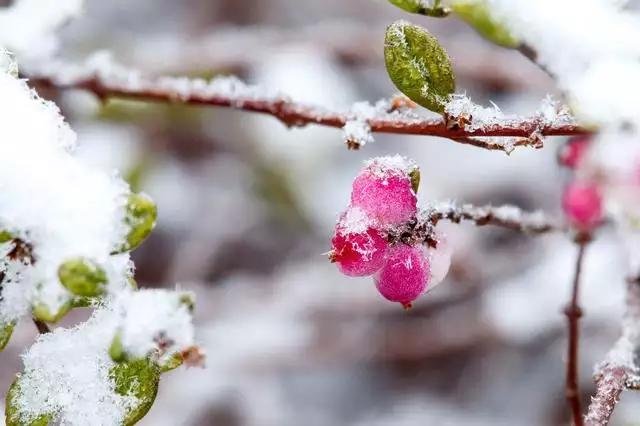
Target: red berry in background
(404,276)
(357,247)
(582,205)
(383,190)
(572,152)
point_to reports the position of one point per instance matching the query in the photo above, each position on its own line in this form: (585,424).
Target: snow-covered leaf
(138,378)
(141,215)
(434,9)
(13,416)
(418,65)
(476,13)
(6,330)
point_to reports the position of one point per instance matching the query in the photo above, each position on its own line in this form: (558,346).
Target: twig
(109,80)
(42,326)
(510,217)
(421,230)
(351,42)
(573,313)
(619,370)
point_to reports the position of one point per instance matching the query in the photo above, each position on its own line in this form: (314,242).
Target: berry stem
(573,313)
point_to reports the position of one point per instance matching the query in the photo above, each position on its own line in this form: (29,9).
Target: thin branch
(106,80)
(573,313)
(42,326)
(510,217)
(619,370)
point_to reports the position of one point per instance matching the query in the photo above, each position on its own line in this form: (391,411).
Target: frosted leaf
(422,7)
(155,319)
(477,14)
(418,66)
(6,330)
(67,374)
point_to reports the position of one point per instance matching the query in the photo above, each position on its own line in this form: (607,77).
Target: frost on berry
(572,152)
(357,247)
(582,205)
(384,190)
(405,275)
(439,260)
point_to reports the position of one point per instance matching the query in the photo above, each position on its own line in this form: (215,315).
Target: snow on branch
(507,216)
(619,370)
(107,79)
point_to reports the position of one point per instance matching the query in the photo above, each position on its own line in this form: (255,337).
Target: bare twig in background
(619,369)
(573,313)
(42,326)
(351,42)
(108,80)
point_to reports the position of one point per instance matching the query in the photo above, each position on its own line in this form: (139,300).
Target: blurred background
(247,209)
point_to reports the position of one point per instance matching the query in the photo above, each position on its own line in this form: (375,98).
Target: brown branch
(573,313)
(108,80)
(619,370)
(42,326)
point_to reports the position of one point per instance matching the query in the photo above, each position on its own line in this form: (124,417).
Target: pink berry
(404,276)
(439,260)
(358,248)
(582,205)
(384,192)
(572,152)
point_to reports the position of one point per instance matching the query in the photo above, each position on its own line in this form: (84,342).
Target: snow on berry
(383,190)
(358,247)
(572,152)
(405,275)
(439,259)
(582,205)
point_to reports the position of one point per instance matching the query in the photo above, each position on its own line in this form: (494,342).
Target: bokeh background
(247,208)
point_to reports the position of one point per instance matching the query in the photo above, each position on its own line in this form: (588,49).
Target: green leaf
(188,300)
(116,349)
(418,65)
(172,363)
(476,13)
(42,312)
(5,236)
(141,215)
(138,378)
(435,10)
(82,277)
(6,330)
(14,417)
(414,175)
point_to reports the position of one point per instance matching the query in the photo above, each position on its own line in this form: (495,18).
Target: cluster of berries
(383,201)
(582,197)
